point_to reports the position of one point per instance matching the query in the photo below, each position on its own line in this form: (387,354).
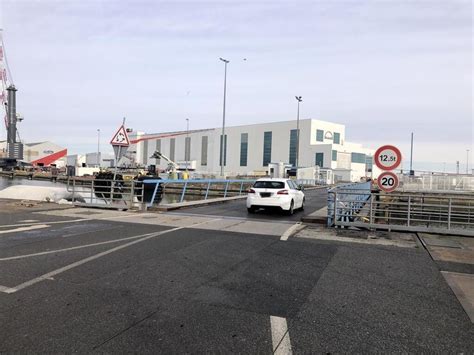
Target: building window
(225,151)
(334,155)
(172,147)
(187,149)
(204,144)
(337,138)
(320,159)
(244,142)
(267,148)
(319,135)
(158,148)
(358,158)
(293,139)
(145,152)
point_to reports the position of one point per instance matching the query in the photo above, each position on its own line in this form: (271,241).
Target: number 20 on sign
(387,181)
(388,157)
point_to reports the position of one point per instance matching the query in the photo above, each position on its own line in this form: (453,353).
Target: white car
(268,192)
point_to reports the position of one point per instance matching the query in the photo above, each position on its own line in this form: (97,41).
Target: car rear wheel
(251,209)
(292,208)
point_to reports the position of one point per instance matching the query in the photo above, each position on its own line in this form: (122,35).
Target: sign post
(120,143)
(387,158)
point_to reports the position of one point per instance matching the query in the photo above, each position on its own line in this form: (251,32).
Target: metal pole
(223,117)
(467,161)
(118,155)
(411,154)
(185,145)
(98,147)
(299,99)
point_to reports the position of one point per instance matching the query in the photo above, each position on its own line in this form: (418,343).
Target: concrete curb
(179,205)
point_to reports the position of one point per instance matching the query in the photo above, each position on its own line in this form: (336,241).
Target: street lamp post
(98,147)
(467,161)
(223,117)
(299,99)
(186,148)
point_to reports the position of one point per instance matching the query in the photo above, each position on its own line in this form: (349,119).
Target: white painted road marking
(23,229)
(68,221)
(292,230)
(280,336)
(73,248)
(49,275)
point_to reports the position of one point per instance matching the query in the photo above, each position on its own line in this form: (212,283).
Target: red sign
(120,138)
(387,181)
(388,157)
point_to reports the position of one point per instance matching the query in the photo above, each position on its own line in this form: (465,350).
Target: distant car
(282,193)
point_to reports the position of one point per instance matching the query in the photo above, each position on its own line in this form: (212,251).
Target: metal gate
(402,211)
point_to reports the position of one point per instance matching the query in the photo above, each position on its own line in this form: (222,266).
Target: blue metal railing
(185,183)
(344,201)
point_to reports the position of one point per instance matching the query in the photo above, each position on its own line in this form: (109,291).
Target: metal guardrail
(240,184)
(415,212)
(106,193)
(346,200)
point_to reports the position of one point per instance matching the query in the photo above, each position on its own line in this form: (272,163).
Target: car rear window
(269,185)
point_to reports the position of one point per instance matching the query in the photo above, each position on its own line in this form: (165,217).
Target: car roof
(273,179)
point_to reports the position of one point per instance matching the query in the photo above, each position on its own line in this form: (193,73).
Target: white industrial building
(249,149)
(40,153)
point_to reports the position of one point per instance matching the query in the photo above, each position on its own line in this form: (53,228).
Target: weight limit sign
(388,157)
(387,181)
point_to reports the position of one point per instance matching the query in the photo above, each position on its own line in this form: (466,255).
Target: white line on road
(69,221)
(74,248)
(49,275)
(24,229)
(280,336)
(292,230)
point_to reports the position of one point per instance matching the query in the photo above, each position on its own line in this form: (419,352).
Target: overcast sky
(382,68)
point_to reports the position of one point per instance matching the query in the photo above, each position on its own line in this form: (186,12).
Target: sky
(383,68)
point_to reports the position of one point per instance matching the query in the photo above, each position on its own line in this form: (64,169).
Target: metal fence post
(73,189)
(132,193)
(226,187)
(335,208)
(241,187)
(184,191)
(371,209)
(409,210)
(449,214)
(207,190)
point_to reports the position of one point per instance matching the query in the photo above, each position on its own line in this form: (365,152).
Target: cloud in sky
(383,68)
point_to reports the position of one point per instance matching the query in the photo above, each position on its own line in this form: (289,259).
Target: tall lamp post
(98,147)
(299,99)
(187,150)
(223,117)
(467,161)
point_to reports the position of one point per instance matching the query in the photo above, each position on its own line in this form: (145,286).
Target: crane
(172,166)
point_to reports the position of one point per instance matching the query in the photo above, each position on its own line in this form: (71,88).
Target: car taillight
(282,192)
(251,191)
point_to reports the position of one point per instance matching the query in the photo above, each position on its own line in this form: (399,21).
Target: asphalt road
(181,290)
(315,199)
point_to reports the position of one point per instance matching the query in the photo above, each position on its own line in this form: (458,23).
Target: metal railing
(205,187)
(346,200)
(106,193)
(437,182)
(402,211)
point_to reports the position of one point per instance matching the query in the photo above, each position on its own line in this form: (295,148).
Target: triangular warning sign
(120,138)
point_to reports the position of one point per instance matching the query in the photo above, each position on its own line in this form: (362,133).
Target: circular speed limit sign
(387,157)
(387,181)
